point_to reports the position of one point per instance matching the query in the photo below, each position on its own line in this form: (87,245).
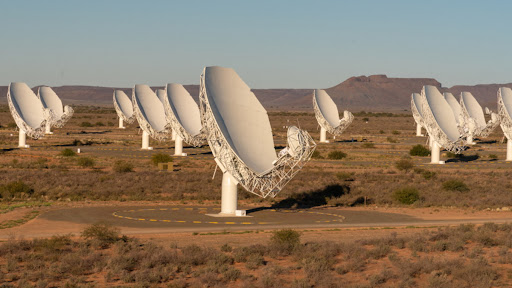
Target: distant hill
(369,93)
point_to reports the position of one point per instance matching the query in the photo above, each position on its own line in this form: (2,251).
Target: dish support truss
(435,132)
(338,130)
(59,123)
(265,184)
(145,126)
(466,122)
(31,132)
(120,113)
(173,123)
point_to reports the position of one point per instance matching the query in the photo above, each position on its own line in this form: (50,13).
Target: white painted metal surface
(150,114)
(327,115)
(124,108)
(50,100)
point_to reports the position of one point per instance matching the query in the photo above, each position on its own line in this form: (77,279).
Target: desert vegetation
(461,256)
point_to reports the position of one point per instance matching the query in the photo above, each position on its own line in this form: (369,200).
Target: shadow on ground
(314,198)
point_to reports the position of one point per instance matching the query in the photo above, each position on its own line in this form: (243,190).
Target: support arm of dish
(338,130)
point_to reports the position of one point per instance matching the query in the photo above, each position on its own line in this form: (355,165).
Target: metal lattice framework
(144,124)
(265,184)
(470,125)
(60,122)
(435,131)
(173,123)
(120,113)
(338,130)
(416,114)
(505,118)
(32,132)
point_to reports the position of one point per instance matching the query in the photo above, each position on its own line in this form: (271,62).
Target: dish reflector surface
(417,103)
(327,107)
(241,118)
(184,108)
(50,100)
(473,108)
(26,107)
(454,104)
(442,113)
(123,105)
(150,108)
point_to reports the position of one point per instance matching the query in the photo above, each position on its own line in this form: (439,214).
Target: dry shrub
(160,158)
(407,195)
(455,185)
(121,166)
(103,233)
(283,242)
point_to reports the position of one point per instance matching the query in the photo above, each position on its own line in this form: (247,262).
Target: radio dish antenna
(505,116)
(162,95)
(327,115)
(417,113)
(440,123)
(150,114)
(184,117)
(455,105)
(124,108)
(238,131)
(28,112)
(475,119)
(51,101)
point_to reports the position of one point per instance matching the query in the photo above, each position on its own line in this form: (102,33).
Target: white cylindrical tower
(48,129)
(229,195)
(121,126)
(173,135)
(145,140)
(436,151)
(418,130)
(509,150)
(469,140)
(22,139)
(323,135)
(178,146)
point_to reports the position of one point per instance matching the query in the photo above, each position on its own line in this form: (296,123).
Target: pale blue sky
(271,44)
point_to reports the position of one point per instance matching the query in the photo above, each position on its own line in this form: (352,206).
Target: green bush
(15,189)
(428,174)
(121,166)
(395,132)
(104,233)
(366,119)
(12,125)
(455,185)
(391,140)
(86,162)
(160,158)
(404,164)
(407,195)
(67,152)
(336,155)
(368,145)
(285,241)
(493,156)
(419,150)
(316,155)
(345,176)
(99,124)
(85,124)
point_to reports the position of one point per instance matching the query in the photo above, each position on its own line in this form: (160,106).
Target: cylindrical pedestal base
(145,141)
(509,150)
(436,152)
(229,195)
(469,140)
(418,130)
(48,128)
(121,126)
(178,146)
(22,139)
(323,135)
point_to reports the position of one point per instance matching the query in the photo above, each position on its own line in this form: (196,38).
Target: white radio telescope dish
(150,114)
(124,108)
(417,114)
(51,101)
(455,105)
(184,117)
(28,112)
(474,118)
(440,123)
(238,131)
(505,116)
(327,115)
(162,94)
